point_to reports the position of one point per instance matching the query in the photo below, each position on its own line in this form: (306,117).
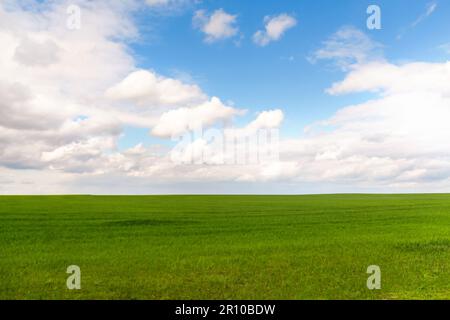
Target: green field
(225,247)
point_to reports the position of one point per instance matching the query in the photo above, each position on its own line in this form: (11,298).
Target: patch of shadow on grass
(425,246)
(149,223)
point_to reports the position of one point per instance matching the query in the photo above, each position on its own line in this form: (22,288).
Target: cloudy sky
(132,97)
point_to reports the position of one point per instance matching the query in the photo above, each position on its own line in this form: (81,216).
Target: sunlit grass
(225,247)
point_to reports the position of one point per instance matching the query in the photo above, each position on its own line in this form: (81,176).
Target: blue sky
(96,95)
(280,75)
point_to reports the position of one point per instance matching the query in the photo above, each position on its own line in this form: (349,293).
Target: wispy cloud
(430,9)
(347,47)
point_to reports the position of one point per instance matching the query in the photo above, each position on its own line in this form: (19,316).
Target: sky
(233,97)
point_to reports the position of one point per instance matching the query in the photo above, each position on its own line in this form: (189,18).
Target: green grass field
(225,247)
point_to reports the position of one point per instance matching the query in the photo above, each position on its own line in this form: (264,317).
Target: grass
(225,247)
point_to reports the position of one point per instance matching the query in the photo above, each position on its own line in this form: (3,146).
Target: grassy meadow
(225,247)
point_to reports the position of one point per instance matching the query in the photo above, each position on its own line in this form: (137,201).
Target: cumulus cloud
(51,76)
(54,113)
(251,150)
(177,122)
(54,102)
(398,139)
(149,89)
(275,28)
(216,26)
(389,78)
(269,119)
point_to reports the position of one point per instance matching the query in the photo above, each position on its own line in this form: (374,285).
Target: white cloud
(216,26)
(51,76)
(177,122)
(396,140)
(269,119)
(169,6)
(32,53)
(54,113)
(431,7)
(275,27)
(149,89)
(52,82)
(389,78)
(347,47)
(166,3)
(79,156)
(243,154)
